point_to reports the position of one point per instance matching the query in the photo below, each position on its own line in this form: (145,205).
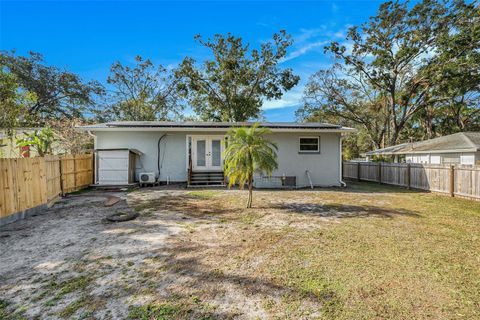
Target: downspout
(158,155)
(309,178)
(342,183)
(95,174)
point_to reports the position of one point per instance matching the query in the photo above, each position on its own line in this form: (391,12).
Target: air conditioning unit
(147,177)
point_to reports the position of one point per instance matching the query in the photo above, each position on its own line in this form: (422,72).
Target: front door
(207,153)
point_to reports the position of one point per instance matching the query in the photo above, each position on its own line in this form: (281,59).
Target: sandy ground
(199,254)
(51,260)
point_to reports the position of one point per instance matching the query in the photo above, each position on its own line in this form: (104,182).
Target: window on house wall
(309,144)
(451,159)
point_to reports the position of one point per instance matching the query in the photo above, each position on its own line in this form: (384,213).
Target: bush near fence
(29,183)
(455,180)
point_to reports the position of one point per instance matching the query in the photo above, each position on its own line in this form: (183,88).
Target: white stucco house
(459,148)
(191,152)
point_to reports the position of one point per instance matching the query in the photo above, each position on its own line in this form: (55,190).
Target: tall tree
(389,50)
(455,73)
(13,112)
(414,63)
(143,92)
(247,152)
(233,85)
(55,92)
(341,96)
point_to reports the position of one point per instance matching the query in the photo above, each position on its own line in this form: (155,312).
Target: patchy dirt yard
(365,252)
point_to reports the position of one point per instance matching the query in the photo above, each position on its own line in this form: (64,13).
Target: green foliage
(13,102)
(248,152)
(160,311)
(40,140)
(233,85)
(141,93)
(409,72)
(57,92)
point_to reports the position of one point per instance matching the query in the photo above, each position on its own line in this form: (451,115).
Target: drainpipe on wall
(95,168)
(342,183)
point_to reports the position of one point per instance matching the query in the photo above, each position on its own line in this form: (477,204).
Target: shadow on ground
(333,210)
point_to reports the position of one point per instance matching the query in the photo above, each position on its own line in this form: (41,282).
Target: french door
(207,153)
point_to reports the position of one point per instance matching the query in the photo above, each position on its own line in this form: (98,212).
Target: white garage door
(113,167)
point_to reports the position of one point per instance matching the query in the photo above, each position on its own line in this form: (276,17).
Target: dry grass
(368,252)
(365,252)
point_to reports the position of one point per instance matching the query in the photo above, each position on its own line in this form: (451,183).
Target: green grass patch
(203,194)
(58,289)
(6,314)
(158,311)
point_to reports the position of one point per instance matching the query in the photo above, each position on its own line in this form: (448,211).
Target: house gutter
(198,129)
(372,153)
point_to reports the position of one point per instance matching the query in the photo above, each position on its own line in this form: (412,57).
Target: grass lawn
(365,252)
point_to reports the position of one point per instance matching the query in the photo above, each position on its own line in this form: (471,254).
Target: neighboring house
(9,148)
(459,148)
(308,153)
(8,144)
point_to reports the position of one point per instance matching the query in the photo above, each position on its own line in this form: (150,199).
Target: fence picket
(460,181)
(30,182)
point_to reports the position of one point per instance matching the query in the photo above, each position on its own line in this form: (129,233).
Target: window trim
(309,151)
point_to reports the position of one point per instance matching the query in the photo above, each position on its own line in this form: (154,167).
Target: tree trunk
(250,192)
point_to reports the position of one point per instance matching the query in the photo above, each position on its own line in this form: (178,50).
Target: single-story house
(309,154)
(459,148)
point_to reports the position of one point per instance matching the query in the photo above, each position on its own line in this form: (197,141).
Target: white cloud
(304,49)
(290,99)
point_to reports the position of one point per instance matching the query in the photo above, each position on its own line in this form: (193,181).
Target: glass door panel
(216,153)
(201,153)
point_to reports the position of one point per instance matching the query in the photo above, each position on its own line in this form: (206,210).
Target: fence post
(380,172)
(94,168)
(452,180)
(358,171)
(74,173)
(61,175)
(408,176)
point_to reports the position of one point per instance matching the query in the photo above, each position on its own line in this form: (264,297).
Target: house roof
(209,125)
(457,142)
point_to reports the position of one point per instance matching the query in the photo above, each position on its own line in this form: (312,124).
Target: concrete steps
(207,178)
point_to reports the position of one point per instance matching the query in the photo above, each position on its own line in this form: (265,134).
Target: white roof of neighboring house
(458,142)
(211,126)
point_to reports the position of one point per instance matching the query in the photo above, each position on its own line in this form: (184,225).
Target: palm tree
(248,152)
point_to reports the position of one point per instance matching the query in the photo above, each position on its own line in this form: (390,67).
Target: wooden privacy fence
(27,183)
(455,180)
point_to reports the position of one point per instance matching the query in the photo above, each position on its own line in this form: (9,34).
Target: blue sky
(87,37)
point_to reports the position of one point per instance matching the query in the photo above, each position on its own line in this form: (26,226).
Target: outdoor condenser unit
(147,177)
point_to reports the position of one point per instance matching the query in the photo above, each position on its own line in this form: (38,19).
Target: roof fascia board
(183,129)
(422,152)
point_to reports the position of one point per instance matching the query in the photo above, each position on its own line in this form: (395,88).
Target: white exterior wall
(324,166)
(438,158)
(172,150)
